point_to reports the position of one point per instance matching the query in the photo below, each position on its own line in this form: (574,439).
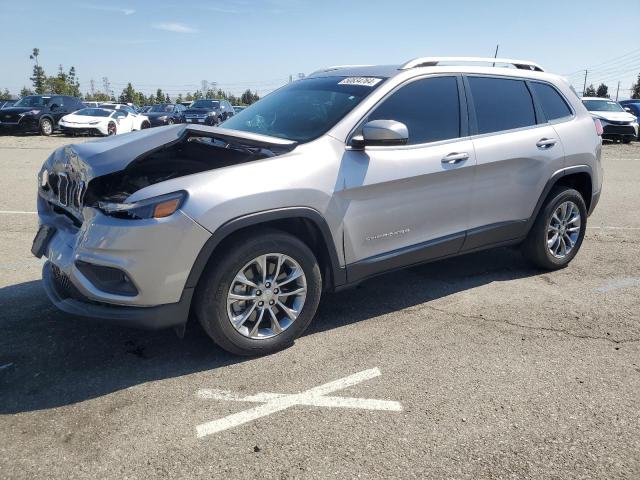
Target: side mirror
(627,109)
(381,133)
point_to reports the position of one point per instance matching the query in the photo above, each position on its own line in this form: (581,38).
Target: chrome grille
(67,189)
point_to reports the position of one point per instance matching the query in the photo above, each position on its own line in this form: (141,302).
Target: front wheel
(558,231)
(46,127)
(627,140)
(259,295)
(111,129)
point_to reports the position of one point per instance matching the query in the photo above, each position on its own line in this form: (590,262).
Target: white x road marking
(276,402)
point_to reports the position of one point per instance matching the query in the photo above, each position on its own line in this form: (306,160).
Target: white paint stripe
(314,401)
(16,212)
(276,402)
(619,283)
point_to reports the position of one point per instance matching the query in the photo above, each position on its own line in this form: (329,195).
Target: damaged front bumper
(154,256)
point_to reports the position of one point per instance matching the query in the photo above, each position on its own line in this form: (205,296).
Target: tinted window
(552,103)
(501,104)
(602,106)
(429,108)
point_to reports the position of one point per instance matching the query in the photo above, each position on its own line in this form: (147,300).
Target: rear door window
(552,103)
(501,104)
(430,108)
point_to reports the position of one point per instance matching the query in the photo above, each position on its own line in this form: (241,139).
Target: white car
(139,120)
(102,121)
(617,123)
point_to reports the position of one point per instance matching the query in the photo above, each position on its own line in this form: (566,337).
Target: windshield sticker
(363,81)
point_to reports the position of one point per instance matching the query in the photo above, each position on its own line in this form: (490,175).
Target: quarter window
(501,104)
(430,108)
(553,105)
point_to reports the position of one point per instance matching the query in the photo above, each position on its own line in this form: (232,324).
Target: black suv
(165,114)
(208,112)
(38,113)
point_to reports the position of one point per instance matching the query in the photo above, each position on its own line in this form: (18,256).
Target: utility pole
(585,82)
(92,87)
(617,90)
(495,55)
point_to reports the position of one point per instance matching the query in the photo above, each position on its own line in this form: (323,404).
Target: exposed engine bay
(192,155)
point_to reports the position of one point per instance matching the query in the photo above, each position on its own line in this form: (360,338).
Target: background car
(186,104)
(144,109)
(617,123)
(165,114)
(39,113)
(7,103)
(100,121)
(238,108)
(208,111)
(91,104)
(633,107)
(140,120)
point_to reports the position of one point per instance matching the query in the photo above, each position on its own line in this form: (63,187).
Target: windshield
(205,104)
(93,112)
(602,106)
(304,109)
(32,101)
(161,108)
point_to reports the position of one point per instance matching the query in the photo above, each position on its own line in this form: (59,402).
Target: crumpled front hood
(112,154)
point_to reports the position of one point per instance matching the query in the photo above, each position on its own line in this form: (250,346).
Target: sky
(241,44)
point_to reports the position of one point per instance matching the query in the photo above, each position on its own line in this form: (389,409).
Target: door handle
(546,142)
(453,158)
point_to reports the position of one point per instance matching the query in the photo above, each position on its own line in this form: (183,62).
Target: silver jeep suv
(349,173)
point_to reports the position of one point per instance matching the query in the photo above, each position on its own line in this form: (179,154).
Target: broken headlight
(155,207)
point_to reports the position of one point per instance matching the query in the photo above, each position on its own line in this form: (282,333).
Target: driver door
(406,204)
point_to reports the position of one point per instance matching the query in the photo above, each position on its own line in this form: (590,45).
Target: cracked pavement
(503,371)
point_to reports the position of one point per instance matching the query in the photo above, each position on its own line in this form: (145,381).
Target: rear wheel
(111,129)
(144,125)
(46,126)
(260,295)
(557,234)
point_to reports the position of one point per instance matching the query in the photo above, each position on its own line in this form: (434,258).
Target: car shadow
(49,359)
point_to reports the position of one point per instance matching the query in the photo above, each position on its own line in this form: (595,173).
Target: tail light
(599,129)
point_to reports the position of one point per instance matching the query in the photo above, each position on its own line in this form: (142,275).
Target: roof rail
(433,61)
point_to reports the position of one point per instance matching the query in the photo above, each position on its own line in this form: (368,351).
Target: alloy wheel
(266,296)
(563,229)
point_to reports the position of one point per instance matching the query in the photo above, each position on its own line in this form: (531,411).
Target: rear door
(397,199)
(516,150)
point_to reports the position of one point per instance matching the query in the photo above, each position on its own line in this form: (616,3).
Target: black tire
(112,129)
(46,127)
(170,121)
(145,125)
(216,280)
(535,249)
(627,140)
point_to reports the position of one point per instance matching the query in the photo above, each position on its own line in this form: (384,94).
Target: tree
(167,99)
(590,91)
(5,93)
(248,97)
(159,96)
(25,92)
(179,98)
(128,95)
(188,97)
(635,88)
(38,76)
(602,91)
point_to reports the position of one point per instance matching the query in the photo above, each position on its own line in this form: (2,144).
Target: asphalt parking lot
(475,367)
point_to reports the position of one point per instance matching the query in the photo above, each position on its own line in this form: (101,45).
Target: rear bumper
(69,300)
